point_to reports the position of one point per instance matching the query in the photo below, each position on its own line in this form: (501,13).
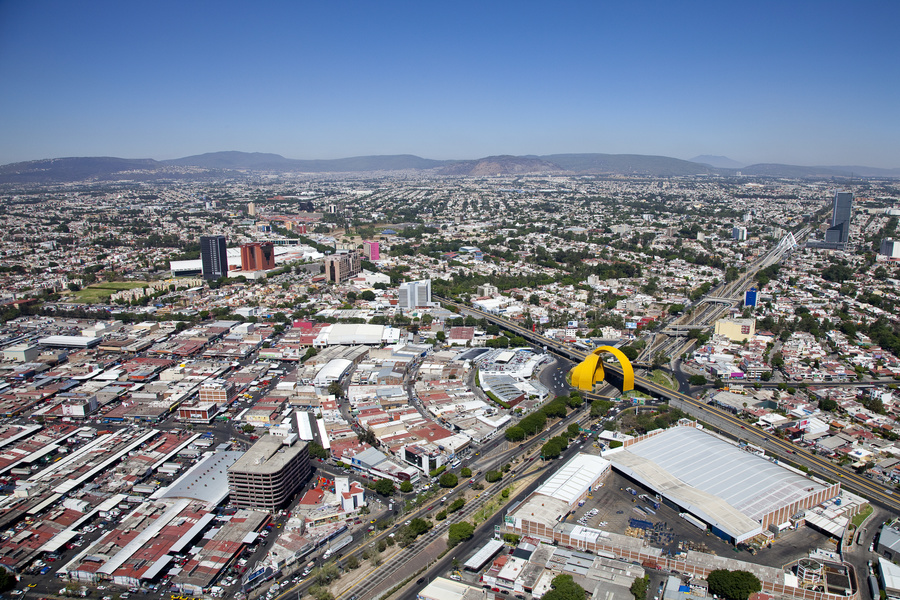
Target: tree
(448,480)
(466,472)
(335,389)
(514,434)
(460,532)
(551,450)
(575,400)
(697,380)
(828,405)
(733,585)
(385,487)
(352,562)
(629,352)
(406,487)
(317,451)
(367,295)
(492,476)
(563,587)
(639,587)
(440,336)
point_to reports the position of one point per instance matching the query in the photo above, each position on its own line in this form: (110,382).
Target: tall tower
(841,211)
(251,209)
(213,256)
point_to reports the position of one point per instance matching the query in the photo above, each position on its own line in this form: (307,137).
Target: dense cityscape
(359,385)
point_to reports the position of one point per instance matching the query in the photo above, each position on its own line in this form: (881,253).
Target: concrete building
(213,256)
(341,267)
(890,249)
(257,256)
(22,353)
(739,234)
(413,294)
(216,391)
(251,209)
(372,250)
(736,330)
(197,412)
(487,289)
(269,473)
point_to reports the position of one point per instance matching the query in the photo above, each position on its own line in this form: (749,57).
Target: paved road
(717,418)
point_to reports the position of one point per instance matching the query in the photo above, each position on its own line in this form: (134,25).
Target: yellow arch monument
(590,370)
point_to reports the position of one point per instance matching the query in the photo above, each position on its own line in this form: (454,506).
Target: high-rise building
(251,209)
(343,266)
(413,294)
(739,233)
(213,256)
(841,212)
(269,473)
(257,256)
(890,249)
(371,250)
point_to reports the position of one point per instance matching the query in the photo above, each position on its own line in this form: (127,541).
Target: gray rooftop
(716,480)
(267,455)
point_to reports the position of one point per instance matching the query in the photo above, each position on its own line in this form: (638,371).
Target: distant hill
(720,162)
(628,164)
(258,161)
(500,165)
(217,165)
(799,172)
(61,170)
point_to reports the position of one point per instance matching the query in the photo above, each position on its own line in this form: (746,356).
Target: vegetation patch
(100,292)
(660,378)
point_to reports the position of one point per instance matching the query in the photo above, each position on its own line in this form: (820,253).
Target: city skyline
(798,84)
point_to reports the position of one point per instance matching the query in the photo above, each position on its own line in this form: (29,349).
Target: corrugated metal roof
(727,487)
(574,478)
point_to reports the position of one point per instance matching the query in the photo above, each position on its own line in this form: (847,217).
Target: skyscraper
(257,256)
(839,232)
(214,256)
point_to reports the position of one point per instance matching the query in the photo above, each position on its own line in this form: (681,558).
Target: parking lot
(613,508)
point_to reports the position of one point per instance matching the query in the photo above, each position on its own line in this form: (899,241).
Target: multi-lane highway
(715,417)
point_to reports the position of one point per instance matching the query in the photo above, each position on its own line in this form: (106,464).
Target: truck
(337,544)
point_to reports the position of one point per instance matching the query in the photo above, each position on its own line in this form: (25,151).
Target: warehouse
(739,494)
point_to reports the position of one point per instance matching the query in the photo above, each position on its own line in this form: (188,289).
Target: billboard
(631,325)
(573,324)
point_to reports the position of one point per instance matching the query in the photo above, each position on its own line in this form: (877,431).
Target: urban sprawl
(359,387)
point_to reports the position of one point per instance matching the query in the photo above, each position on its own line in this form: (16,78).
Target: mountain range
(243,164)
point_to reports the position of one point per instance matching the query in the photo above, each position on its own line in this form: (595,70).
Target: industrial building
(738,493)
(269,473)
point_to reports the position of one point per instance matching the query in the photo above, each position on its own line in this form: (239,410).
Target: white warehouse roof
(332,371)
(718,481)
(575,478)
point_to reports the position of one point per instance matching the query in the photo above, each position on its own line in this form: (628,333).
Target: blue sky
(797,82)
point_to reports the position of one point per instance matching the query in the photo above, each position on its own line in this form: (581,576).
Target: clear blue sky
(798,82)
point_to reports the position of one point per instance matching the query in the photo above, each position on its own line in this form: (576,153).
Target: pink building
(371,250)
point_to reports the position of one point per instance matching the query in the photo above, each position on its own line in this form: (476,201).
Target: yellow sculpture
(590,370)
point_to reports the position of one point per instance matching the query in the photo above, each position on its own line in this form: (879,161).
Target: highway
(715,417)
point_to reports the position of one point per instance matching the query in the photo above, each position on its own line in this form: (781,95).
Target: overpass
(710,414)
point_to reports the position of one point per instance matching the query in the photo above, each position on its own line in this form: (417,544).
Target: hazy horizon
(799,83)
